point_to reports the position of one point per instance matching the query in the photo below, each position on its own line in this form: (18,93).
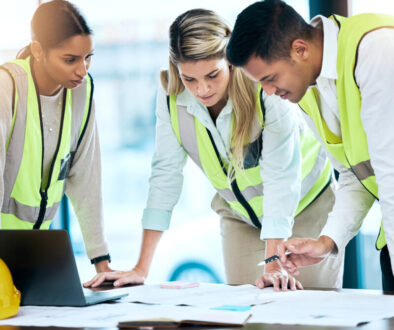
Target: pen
(273,258)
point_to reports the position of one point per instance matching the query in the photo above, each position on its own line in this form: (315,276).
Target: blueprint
(305,307)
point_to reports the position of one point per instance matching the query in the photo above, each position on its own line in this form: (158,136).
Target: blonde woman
(246,143)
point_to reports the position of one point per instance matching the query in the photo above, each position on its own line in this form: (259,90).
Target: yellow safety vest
(28,202)
(245,193)
(352,149)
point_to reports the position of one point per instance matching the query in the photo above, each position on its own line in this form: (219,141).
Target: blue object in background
(194,271)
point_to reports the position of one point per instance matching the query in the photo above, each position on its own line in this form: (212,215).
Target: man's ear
(36,50)
(300,50)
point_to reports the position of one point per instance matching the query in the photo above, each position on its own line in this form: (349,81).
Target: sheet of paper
(206,295)
(108,315)
(101,315)
(324,308)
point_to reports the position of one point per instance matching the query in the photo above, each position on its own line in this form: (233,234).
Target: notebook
(181,316)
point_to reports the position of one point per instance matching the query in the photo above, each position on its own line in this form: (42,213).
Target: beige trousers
(243,249)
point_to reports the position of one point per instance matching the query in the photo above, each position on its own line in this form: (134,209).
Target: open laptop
(43,268)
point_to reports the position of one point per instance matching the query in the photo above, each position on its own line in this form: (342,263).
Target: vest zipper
(237,192)
(43,207)
(245,204)
(44,193)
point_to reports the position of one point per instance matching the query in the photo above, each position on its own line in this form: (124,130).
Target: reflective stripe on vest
(196,139)
(23,188)
(352,149)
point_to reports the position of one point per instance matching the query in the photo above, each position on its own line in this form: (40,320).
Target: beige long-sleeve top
(84,179)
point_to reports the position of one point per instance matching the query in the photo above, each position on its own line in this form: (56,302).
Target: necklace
(51,119)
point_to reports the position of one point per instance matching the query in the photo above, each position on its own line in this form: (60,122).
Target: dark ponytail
(24,52)
(54,22)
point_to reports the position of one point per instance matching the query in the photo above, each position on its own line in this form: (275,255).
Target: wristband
(100,258)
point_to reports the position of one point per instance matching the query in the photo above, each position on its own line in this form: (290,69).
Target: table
(377,325)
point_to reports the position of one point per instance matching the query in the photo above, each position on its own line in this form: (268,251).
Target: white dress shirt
(374,74)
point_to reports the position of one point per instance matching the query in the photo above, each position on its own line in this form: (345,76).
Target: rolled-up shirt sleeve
(166,180)
(280,168)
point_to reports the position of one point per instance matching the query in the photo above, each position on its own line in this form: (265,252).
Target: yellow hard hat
(10,297)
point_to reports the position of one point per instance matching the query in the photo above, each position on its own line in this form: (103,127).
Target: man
(341,73)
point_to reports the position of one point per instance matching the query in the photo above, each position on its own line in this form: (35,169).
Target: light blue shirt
(280,162)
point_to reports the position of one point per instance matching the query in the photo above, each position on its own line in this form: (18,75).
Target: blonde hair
(200,34)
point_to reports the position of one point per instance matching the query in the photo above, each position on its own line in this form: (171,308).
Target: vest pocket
(64,167)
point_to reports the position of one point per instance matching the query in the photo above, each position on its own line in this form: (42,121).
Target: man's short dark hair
(266,29)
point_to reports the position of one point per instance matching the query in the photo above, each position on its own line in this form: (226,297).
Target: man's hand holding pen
(299,252)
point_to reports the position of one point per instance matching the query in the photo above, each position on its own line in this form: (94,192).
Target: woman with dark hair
(49,141)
